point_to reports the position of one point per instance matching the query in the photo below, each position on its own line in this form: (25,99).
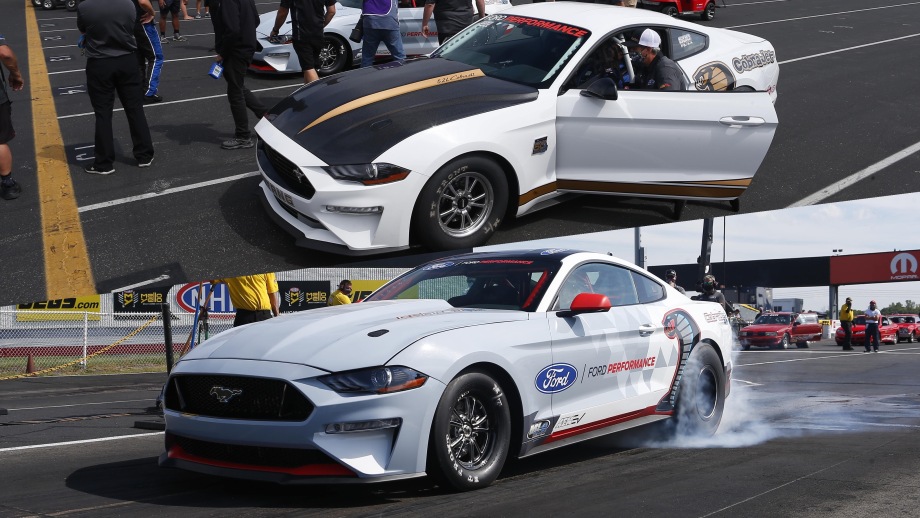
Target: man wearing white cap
(660,72)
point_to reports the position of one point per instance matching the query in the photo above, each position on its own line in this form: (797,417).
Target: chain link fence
(48,343)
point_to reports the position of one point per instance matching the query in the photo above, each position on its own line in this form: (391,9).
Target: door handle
(646,329)
(742,121)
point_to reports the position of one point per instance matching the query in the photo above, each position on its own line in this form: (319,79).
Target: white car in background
(340,53)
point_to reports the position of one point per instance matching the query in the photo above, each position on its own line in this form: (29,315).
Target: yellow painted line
(67,266)
(393,92)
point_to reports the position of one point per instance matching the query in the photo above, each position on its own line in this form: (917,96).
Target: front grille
(296,181)
(237,397)
(251,455)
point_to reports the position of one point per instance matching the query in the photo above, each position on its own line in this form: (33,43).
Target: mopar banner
(870,268)
(144,300)
(301,295)
(188,296)
(73,308)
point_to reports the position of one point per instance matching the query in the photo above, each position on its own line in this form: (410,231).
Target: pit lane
(844,109)
(807,432)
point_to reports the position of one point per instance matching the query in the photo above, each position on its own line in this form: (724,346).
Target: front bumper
(761,341)
(303,208)
(297,452)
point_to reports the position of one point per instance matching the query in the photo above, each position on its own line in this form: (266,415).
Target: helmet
(670,273)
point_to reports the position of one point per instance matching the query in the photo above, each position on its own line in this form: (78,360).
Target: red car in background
(780,330)
(908,327)
(887,329)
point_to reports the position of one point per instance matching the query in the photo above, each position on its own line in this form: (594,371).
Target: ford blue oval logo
(556,378)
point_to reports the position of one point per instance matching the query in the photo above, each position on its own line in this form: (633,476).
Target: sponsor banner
(144,300)
(360,289)
(301,295)
(72,308)
(188,296)
(871,268)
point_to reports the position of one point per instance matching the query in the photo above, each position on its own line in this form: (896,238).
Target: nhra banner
(72,308)
(140,300)
(188,296)
(871,268)
(301,295)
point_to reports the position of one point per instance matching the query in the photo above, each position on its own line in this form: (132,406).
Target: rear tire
(701,399)
(910,338)
(801,345)
(48,5)
(670,10)
(709,12)
(471,433)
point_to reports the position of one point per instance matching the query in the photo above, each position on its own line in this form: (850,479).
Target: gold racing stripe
(67,266)
(394,92)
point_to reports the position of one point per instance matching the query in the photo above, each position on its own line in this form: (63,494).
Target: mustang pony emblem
(223,394)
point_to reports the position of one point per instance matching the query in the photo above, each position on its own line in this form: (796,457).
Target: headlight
(745,333)
(375,380)
(770,333)
(368,174)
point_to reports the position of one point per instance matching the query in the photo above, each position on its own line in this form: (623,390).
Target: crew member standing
(9,189)
(450,16)
(149,50)
(111,66)
(255,297)
(873,319)
(235,24)
(671,277)
(308,18)
(846,322)
(342,295)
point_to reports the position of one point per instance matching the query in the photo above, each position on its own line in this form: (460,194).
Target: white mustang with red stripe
(449,370)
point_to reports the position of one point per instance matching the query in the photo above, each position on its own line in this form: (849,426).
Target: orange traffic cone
(30,365)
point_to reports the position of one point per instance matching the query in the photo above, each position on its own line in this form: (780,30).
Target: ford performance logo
(556,378)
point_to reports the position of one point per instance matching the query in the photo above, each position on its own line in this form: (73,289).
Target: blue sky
(857,227)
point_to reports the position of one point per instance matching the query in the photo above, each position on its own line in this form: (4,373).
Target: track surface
(814,432)
(845,104)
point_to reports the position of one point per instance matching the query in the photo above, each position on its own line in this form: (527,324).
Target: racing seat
(499,296)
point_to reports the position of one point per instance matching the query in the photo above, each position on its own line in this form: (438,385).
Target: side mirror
(603,88)
(587,303)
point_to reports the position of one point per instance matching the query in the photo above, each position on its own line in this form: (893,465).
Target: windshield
(500,283)
(523,50)
(772,319)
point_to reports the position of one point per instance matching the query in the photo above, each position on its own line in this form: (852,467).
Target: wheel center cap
(467,431)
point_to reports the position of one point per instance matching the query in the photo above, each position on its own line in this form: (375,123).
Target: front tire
(462,204)
(333,56)
(48,5)
(785,343)
(709,12)
(71,5)
(471,433)
(701,400)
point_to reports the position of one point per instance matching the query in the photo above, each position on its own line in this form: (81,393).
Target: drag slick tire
(462,204)
(701,399)
(470,435)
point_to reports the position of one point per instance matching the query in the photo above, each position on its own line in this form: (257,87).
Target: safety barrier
(47,343)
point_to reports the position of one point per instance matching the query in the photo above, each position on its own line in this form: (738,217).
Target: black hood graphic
(352,118)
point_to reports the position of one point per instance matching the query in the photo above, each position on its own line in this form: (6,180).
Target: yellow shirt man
(341,295)
(255,297)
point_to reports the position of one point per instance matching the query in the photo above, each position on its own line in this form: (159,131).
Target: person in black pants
(111,67)
(235,42)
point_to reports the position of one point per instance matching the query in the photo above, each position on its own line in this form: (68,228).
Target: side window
(613,281)
(648,290)
(686,43)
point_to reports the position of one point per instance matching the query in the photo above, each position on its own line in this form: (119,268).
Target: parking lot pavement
(195,214)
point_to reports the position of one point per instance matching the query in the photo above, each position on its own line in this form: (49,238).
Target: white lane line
(823,15)
(40,20)
(86,441)
(803,58)
(142,283)
(94,508)
(748,383)
(57,30)
(171,42)
(58,47)
(165,61)
(164,192)
(836,356)
(840,185)
(77,404)
(166,103)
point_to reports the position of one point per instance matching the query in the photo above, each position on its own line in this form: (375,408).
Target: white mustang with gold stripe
(518,110)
